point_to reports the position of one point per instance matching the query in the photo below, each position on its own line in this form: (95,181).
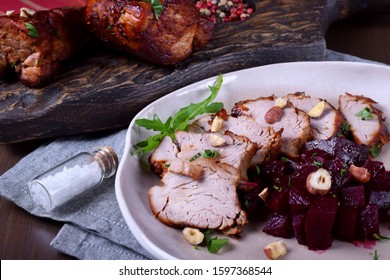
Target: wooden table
(24,236)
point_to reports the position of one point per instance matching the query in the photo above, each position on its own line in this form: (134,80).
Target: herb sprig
(365,114)
(157,7)
(179,121)
(32,31)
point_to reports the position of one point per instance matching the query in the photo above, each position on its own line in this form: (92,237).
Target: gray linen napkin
(95,227)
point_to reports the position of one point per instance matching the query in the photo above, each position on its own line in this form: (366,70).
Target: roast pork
(329,121)
(295,123)
(365,119)
(209,202)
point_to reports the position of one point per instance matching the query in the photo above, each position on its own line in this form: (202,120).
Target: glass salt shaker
(74,176)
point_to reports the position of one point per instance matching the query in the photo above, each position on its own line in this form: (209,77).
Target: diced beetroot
(319,223)
(380,178)
(298,222)
(273,169)
(299,199)
(279,225)
(352,196)
(348,151)
(382,200)
(339,171)
(346,220)
(248,194)
(368,222)
(278,201)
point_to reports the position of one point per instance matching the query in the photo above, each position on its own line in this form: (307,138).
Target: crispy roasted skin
(131,26)
(36,58)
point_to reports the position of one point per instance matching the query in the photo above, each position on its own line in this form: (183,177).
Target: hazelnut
(216,140)
(275,250)
(217,124)
(264,194)
(281,102)
(273,115)
(317,110)
(319,182)
(193,235)
(360,174)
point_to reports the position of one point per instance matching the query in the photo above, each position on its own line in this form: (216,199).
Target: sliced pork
(365,119)
(237,151)
(209,202)
(329,121)
(268,141)
(295,123)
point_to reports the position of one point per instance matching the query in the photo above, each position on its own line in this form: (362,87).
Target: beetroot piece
(279,225)
(319,223)
(381,199)
(298,222)
(348,151)
(380,178)
(352,196)
(368,223)
(278,201)
(299,199)
(339,171)
(248,194)
(346,221)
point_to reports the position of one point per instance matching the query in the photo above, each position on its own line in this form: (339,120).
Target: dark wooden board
(104,90)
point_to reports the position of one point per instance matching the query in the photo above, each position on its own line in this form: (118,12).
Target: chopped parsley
(210,154)
(32,31)
(196,156)
(258,170)
(375,255)
(375,150)
(157,7)
(214,244)
(317,163)
(365,114)
(377,236)
(343,172)
(345,128)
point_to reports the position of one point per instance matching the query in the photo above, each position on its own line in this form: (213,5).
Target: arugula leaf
(179,121)
(214,244)
(157,7)
(365,114)
(32,31)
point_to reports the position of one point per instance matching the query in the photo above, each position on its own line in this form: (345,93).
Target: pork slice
(294,123)
(164,153)
(237,151)
(209,202)
(185,167)
(370,131)
(267,140)
(327,124)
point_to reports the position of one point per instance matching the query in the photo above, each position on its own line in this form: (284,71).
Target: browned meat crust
(34,46)
(371,131)
(131,26)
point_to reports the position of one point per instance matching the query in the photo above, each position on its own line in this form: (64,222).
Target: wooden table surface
(24,236)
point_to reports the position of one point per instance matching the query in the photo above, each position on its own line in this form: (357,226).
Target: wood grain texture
(103,90)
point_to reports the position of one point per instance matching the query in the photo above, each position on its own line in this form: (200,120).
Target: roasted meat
(367,122)
(295,123)
(132,26)
(268,141)
(34,45)
(237,151)
(324,126)
(209,202)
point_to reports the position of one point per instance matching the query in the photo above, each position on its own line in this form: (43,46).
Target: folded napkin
(95,228)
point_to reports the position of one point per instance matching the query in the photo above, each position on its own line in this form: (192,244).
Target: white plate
(318,79)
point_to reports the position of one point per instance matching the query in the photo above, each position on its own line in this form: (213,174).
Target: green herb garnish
(365,114)
(179,121)
(317,163)
(258,171)
(345,128)
(214,244)
(343,172)
(157,7)
(377,236)
(32,31)
(375,150)
(375,255)
(196,156)
(210,154)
